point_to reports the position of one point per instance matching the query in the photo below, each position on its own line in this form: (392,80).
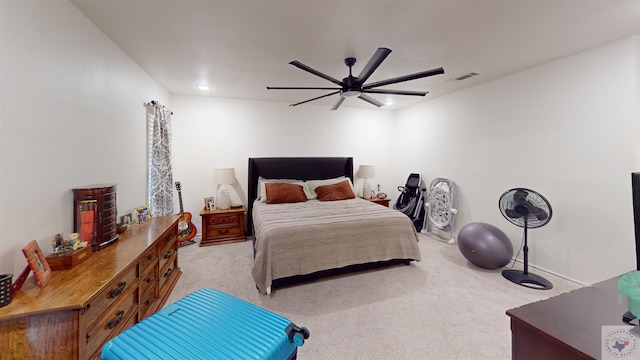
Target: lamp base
(366,190)
(224,199)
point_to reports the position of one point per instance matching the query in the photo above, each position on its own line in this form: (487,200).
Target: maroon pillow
(278,193)
(339,191)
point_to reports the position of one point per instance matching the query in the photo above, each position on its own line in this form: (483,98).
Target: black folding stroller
(411,200)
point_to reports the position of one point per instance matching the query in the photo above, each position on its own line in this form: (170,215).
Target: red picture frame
(38,263)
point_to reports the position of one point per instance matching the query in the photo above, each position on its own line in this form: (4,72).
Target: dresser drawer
(148,257)
(223,220)
(169,238)
(147,301)
(168,254)
(111,294)
(168,271)
(149,277)
(113,320)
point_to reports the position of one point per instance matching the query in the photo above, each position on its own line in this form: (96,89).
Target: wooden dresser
(567,326)
(81,308)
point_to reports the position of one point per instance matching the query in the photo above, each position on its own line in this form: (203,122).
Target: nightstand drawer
(218,232)
(225,220)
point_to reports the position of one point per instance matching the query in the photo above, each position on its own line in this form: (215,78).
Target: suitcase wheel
(296,334)
(298,339)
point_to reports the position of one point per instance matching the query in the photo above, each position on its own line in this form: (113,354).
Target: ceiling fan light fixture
(350,93)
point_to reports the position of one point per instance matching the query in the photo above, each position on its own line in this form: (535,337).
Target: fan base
(529,280)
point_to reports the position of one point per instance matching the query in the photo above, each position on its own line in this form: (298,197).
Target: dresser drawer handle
(168,237)
(150,257)
(168,273)
(117,291)
(225,231)
(168,254)
(114,322)
(149,280)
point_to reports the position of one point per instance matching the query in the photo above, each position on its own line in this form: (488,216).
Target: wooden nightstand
(383,202)
(222,226)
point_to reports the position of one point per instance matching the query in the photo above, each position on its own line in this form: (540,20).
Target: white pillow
(262,192)
(311,185)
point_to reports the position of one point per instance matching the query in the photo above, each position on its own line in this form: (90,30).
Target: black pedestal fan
(527,209)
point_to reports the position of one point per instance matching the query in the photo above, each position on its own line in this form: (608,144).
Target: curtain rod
(155,103)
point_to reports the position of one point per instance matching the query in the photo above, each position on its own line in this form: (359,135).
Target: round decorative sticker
(620,343)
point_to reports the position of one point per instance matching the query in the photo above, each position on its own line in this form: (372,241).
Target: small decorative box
(66,262)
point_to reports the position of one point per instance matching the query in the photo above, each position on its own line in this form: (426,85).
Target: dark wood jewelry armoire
(94,214)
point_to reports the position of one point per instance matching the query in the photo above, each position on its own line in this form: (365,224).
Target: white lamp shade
(224,176)
(367,171)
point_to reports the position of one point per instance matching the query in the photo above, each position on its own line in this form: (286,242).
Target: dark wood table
(568,326)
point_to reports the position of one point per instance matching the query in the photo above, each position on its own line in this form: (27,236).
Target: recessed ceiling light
(204,87)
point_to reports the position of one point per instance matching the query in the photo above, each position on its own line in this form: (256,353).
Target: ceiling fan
(352,86)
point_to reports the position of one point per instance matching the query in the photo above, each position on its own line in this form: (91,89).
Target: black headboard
(301,168)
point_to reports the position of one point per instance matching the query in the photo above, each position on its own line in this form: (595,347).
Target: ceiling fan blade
(370,100)
(395,92)
(306,68)
(299,88)
(315,98)
(375,61)
(338,103)
(399,79)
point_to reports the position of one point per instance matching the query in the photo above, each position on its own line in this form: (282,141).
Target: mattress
(307,237)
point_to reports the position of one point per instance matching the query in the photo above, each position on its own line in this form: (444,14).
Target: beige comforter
(302,238)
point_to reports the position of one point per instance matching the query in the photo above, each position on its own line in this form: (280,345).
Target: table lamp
(366,172)
(224,177)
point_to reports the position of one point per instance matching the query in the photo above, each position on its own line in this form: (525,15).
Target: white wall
(211,133)
(567,129)
(71,114)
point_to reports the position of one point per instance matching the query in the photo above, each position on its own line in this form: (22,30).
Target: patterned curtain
(160,174)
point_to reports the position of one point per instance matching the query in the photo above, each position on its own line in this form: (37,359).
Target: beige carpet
(440,308)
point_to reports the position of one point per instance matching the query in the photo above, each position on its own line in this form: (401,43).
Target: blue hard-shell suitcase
(209,324)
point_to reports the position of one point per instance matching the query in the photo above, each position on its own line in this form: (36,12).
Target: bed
(313,236)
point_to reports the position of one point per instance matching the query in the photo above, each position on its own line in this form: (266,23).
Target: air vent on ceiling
(465,76)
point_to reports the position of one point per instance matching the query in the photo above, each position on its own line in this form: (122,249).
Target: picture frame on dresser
(209,203)
(126,219)
(142,214)
(37,263)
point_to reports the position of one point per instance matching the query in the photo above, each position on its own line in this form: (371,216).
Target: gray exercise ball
(485,245)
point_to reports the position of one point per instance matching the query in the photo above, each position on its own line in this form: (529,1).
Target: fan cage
(507,202)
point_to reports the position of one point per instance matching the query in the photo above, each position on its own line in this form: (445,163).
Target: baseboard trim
(539,270)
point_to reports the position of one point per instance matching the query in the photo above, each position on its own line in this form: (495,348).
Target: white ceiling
(239,47)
